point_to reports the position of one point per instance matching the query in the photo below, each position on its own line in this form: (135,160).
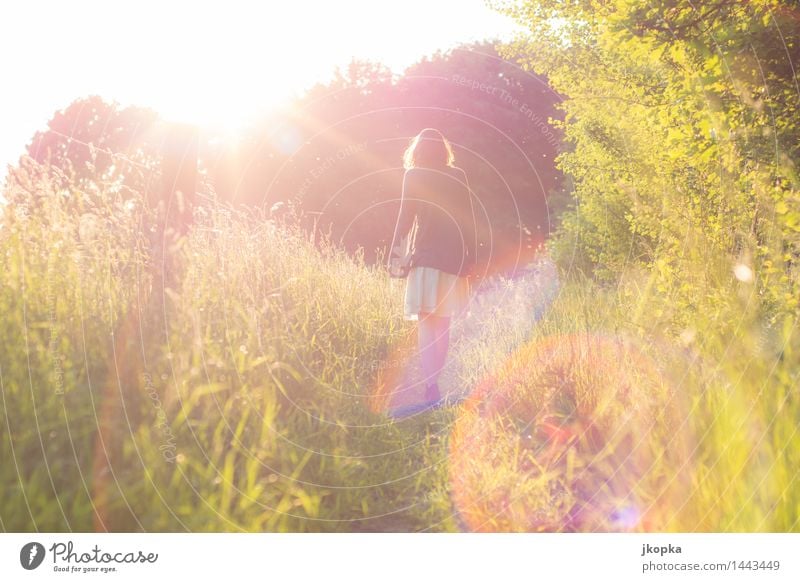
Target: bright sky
(206,62)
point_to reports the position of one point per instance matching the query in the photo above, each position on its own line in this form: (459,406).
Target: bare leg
(442,342)
(434,339)
(426,333)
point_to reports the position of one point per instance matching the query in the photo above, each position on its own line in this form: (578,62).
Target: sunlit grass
(613,417)
(242,401)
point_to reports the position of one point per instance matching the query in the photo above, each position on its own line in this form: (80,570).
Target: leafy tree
(682,133)
(337,153)
(96,140)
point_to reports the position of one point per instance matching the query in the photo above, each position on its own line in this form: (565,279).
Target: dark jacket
(440,202)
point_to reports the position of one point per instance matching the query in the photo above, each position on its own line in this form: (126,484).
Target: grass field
(246,396)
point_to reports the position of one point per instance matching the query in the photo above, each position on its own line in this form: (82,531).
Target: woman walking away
(437,215)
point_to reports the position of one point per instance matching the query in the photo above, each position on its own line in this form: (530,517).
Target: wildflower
(88,227)
(743,273)
(687,336)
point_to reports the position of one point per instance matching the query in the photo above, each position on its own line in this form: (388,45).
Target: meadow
(248,394)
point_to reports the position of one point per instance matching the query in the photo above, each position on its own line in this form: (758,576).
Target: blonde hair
(429,149)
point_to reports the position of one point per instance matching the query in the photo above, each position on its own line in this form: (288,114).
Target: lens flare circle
(571,435)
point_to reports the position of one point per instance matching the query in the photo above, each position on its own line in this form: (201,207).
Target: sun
(211,64)
(217,110)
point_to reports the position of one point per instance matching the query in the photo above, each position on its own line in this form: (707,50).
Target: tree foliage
(95,139)
(682,131)
(337,153)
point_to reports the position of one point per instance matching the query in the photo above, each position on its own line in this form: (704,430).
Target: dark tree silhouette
(337,154)
(93,138)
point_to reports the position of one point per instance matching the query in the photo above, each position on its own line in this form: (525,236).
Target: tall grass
(243,397)
(248,405)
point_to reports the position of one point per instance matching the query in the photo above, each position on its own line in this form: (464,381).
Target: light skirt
(430,290)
